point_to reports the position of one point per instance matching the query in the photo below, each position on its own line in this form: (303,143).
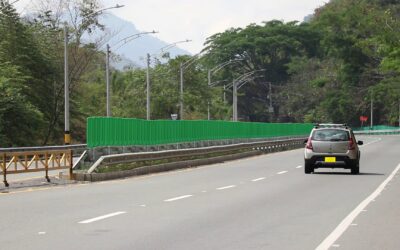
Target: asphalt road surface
(263,202)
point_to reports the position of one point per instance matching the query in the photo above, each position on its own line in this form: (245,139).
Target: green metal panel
(110,131)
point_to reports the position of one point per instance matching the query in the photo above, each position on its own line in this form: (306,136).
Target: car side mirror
(360,142)
(305,141)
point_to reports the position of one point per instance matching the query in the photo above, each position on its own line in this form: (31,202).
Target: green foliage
(19,119)
(268,47)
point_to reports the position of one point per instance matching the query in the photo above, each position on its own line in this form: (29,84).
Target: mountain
(133,53)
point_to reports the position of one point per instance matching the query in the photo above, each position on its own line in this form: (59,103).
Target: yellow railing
(35,161)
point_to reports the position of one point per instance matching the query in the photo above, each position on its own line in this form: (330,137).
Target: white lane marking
(226,187)
(101,217)
(299,166)
(179,198)
(258,179)
(339,230)
(41,233)
(204,191)
(354,224)
(283,172)
(335,245)
(369,143)
(143,205)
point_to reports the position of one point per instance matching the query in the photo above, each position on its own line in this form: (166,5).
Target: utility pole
(67,135)
(108,81)
(148,88)
(181,94)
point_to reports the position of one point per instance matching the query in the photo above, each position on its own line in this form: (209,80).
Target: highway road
(263,202)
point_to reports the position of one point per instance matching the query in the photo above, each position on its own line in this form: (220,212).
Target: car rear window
(330,135)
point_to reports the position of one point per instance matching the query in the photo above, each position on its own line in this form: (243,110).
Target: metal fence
(34,161)
(107,131)
(377,128)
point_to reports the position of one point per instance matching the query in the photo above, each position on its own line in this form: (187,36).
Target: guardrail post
(4,167)
(47,166)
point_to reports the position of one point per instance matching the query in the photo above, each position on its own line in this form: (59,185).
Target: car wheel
(308,167)
(355,169)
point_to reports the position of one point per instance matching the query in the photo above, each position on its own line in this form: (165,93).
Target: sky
(177,20)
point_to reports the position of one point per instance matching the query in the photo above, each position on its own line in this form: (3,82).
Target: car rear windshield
(330,135)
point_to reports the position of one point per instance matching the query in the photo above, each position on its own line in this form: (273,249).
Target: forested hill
(325,70)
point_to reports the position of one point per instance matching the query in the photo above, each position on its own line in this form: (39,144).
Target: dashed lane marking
(101,217)
(283,172)
(178,198)
(226,187)
(258,179)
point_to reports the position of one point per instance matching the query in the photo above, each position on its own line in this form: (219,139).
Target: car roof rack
(331,125)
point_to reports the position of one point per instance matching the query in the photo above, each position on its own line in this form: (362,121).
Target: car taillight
(309,144)
(352,145)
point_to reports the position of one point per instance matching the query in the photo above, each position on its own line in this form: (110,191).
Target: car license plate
(330,159)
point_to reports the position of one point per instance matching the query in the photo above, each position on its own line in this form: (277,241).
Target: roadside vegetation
(327,68)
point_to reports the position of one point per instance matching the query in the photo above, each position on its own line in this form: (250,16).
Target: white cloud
(177,20)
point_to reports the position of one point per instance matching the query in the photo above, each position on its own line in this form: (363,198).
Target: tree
(269,48)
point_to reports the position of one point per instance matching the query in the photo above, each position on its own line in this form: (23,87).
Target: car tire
(308,167)
(355,169)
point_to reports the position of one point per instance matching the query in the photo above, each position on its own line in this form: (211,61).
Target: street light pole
(208,111)
(182,67)
(238,83)
(108,51)
(108,89)
(148,88)
(234,101)
(219,67)
(181,93)
(67,135)
(224,93)
(372,112)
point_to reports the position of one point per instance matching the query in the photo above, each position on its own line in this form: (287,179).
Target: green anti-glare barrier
(107,131)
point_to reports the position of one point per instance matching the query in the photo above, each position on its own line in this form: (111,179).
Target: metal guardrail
(35,161)
(166,154)
(77,148)
(378,132)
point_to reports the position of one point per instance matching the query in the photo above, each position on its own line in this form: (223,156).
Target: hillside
(135,51)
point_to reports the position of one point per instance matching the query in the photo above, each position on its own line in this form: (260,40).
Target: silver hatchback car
(332,146)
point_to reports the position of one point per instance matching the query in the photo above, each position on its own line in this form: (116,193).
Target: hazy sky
(196,20)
